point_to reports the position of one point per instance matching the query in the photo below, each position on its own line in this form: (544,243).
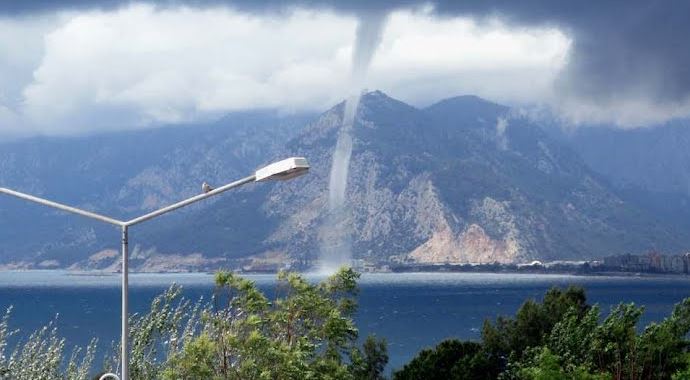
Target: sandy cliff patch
(472,245)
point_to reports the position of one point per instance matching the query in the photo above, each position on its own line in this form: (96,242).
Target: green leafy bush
(563,337)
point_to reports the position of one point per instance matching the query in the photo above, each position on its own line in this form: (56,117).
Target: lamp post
(281,170)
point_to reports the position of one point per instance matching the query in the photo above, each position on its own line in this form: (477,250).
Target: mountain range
(463,180)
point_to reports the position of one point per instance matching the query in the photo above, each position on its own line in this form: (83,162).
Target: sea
(412,311)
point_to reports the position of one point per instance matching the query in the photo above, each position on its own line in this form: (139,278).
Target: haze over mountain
(463,180)
(649,166)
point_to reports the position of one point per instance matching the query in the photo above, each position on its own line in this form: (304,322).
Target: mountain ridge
(400,212)
(462,180)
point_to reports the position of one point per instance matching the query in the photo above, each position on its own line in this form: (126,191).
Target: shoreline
(602,273)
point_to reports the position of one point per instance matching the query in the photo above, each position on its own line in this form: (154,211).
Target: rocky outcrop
(472,246)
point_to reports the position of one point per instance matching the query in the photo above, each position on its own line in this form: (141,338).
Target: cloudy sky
(87,66)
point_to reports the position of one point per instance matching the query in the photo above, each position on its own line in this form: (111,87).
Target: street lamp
(281,170)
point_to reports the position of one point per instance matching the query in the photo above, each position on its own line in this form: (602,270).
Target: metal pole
(191,200)
(61,206)
(125,304)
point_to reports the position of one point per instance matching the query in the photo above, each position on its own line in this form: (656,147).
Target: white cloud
(625,112)
(21,50)
(140,66)
(425,59)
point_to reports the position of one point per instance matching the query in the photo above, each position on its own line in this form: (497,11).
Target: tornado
(336,234)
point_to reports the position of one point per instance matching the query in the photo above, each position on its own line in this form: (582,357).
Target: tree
(507,339)
(451,359)
(564,338)
(196,361)
(41,355)
(572,337)
(547,366)
(663,346)
(615,342)
(169,323)
(306,332)
(369,363)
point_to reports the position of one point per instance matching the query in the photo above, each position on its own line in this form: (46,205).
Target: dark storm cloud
(621,49)
(26,7)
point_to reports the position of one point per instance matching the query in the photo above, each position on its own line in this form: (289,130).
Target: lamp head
(283,170)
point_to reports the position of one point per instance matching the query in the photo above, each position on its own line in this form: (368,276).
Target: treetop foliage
(563,337)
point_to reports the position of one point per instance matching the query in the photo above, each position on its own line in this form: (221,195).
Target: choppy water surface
(411,311)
